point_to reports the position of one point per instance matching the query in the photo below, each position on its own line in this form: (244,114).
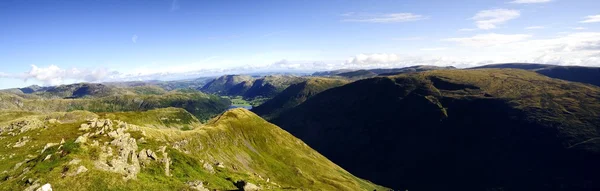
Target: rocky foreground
(88,151)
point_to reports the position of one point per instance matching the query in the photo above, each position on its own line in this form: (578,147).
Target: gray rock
(45,187)
(208,168)
(197,185)
(250,187)
(22,141)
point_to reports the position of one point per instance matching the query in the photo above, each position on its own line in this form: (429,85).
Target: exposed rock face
(45,187)
(197,185)
(209,168)
(22,141)
(48,145)
(126,161)
(166,160)
(246,186)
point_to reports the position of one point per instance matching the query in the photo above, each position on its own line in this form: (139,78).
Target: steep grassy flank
(294,95)
(203,106)
(159,118)
(458,130)
(236,146)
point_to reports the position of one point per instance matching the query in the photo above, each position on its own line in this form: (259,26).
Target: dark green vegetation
(233,147)
(487,129)
(590,75)
(295,95)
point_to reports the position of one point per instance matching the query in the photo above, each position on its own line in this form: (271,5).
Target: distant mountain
(367,73)
(358,74)
(486,129)
(295,95)
(419,68)
(250,87)
(161,149)
(590,75)
(229,85)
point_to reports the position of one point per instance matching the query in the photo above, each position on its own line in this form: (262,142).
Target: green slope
(458,130)
(235,147)
(295,95)
(201,105)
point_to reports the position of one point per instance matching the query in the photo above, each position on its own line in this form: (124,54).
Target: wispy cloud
(415,38)
(434,49)
(489,19)
(175,5)
(578,28)
(491,39)
(382,18)
(467,29)
(534,27)
(54,75)
(134,38)
(530,1)
(591,19)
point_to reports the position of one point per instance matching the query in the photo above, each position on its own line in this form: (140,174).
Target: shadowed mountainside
(295,95)
(458,130)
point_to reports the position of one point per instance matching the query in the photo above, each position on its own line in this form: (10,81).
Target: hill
(230,85)
(358,74)
(294,95)
(85,151)
(250,88)
(590,75)
(362,74)
(201,105)
(481,129)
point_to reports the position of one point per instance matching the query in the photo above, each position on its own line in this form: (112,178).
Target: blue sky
(54,42)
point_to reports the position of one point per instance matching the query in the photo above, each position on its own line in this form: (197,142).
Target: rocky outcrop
(197,185)
(22,141)
(45,187)
(246,186)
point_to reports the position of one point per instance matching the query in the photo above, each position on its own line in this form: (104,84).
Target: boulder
(84,127)
(45,187)
(197,185)
(208,168)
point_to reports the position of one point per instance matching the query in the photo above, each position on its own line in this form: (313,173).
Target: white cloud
(530,1)
(373,58)
(134,38)
(578,28)
(491,39)
(382,18)
(591,19)
(534,27)
(434,49)
(409,38)
(54,75)
(467,29)
(489,19)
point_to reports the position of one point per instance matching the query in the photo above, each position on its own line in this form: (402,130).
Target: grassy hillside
(295,95)
(229,85)
(86,151)
(201,105)
(581,74)
(270,86)
(458,130)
